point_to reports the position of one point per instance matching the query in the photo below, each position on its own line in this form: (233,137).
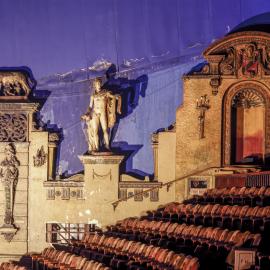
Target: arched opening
(246,124)
(247,127)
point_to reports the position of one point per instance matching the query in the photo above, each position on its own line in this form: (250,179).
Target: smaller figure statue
(266,60)
(227,65)
(250,59)
(40,158)
(101,114)
(9,177)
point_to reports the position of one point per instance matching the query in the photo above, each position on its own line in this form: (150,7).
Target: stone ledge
(139,185)
(63,184)
(101,159)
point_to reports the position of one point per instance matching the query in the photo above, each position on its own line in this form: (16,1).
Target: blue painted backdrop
(157,39)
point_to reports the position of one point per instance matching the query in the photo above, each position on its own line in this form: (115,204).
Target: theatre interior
(135,134)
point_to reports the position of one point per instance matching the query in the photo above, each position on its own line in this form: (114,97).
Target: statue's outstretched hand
(86,117)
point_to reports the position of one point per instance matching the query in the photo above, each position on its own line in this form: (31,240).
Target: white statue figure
(101,113)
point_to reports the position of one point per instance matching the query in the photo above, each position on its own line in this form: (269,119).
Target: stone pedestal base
(101,176)
(8,231)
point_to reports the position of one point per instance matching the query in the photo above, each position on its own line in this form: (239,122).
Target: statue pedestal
(101,176)
(8,231)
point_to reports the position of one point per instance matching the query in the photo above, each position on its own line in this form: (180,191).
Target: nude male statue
(101,113)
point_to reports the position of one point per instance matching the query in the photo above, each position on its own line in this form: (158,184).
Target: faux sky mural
(150,42)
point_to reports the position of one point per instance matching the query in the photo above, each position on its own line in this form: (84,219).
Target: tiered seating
(243,208)
(137,242)
(51,258)
(121,253)
(189,239)
(241,196)
(11,266)
(236,217)
(200,233)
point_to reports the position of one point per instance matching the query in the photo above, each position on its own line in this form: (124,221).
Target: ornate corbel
(214,61)
(215,83)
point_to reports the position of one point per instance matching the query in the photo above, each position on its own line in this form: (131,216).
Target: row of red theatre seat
(195,240)
(11,266)
(160,230)
(121,253)
(53,259)
(242,196)
(255,219)
(180,236)
(189,239)
(148,230)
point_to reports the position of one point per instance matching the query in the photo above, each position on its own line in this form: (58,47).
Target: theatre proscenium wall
(32,195)
(235,78)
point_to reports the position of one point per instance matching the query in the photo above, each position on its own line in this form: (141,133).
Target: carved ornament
(54,137)
(65,193)
(154,138)
(248,98)
(202,105)
(97,176)
(243,55)
(15,85)
(9,174)
(13,127)
(40,158)
(215,83)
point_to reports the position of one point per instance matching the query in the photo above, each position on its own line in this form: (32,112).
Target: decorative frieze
(122,194)
(138,194)
(67,193)
(139,184)
(63,183)
(139,190)
(154,195)
(64,190)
